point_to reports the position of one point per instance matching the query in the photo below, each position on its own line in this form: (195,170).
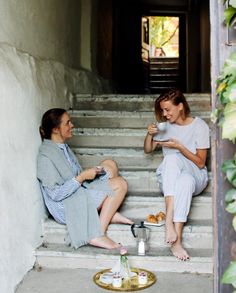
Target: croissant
(151,219)
(160,216)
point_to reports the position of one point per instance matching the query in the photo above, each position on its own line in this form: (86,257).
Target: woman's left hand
(171,143)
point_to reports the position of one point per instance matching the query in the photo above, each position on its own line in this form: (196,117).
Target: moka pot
(142,233)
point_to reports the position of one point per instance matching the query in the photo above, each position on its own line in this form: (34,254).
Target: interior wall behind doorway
(119,42)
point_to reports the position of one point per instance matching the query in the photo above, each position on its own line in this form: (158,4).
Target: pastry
(151,219)
(160,216)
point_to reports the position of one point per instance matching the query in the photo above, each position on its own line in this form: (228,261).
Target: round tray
(127,285)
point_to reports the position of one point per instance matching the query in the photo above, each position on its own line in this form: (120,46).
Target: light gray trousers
(181,178)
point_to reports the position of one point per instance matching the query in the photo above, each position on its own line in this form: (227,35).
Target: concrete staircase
(114,126)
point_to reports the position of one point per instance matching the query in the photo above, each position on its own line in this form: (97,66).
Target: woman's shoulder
(48,149)
(200,122)
(201,127)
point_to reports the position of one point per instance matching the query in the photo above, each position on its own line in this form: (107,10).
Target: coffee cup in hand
(100,170)
(161,126)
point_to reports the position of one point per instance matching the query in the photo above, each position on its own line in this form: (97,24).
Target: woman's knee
(187,181)
(110,166)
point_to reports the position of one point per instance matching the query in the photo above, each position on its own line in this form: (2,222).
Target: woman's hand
(152,129)
(149,144)
(171,143)
(88,174)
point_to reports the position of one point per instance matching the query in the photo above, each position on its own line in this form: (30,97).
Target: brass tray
(127,285)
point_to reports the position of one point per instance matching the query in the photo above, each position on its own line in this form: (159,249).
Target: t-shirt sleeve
(202,135)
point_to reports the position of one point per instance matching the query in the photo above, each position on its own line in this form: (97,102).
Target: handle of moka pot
(132,230)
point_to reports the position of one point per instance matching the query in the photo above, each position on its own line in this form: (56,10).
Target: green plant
(230,12)
(226,113)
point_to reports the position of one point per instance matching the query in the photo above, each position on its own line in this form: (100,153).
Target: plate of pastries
(155,220)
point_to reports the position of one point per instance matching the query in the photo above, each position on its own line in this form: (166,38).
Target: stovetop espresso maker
(142,234)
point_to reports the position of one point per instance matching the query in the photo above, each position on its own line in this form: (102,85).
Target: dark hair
(176,97)
(51,119)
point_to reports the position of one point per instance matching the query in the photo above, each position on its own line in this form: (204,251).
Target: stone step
(114,119)
(196,234)
(108,138)
(157,259)
(201,208)
(145,182)
(197,102)
(126,159)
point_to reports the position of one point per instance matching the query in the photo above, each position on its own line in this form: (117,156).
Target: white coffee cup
(142,278)
(161,126)
(117,281)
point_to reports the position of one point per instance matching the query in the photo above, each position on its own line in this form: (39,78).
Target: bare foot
(118,218)
(171,235)
(104,242)
(179,252)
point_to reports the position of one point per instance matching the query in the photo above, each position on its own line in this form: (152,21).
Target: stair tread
(189,97)
(89,251)
(128,132)
(157,196)
(190,226)
(128,152)
(135,114)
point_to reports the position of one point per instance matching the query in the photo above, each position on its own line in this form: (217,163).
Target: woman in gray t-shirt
(182,173)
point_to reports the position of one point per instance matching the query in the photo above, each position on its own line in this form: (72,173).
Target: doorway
(161,45)
(121,58)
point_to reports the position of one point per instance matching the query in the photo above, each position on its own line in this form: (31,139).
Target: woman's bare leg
(112,203)
(104,242)
(171,234)
(177,248)
(111,167)
(119,219)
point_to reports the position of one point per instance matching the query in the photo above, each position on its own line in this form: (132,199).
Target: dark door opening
(122,38)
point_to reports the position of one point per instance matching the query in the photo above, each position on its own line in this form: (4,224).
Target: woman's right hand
(88,174)
(152,129)
(149,145)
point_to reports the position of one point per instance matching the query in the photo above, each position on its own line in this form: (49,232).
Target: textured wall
(28,87)
(45,28)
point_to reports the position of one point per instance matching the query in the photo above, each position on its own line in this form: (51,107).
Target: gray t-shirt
(193,136)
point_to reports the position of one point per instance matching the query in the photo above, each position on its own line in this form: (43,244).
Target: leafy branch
(230,12)
(226,115)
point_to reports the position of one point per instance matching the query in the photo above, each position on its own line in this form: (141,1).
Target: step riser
(159,264)
(197,103)
(142,210)
(145,182)
(123,162)
(144,162)
(157,239)
(116,122)
(105,141)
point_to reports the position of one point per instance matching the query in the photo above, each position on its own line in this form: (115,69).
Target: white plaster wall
(28,87)
(32,32)
(46,28)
